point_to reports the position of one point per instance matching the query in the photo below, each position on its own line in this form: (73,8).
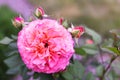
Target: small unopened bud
(89,41)
(61,20)
(18,21)
(77,31)
(39,13)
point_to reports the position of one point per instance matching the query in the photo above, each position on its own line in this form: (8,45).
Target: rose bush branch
(105,70)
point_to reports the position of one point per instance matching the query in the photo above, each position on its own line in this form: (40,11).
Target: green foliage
(5,22)
(14,63)
(87,49)
(80,51)
(23,71)
(89,76)
(6,29)
(114,50)
(6,40)
(90,49)
(95,36)
(115,47)
(43,76)
(74,71)
(99,70)
(107,42)
(66,24)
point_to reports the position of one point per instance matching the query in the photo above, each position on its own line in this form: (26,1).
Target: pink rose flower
(45,46)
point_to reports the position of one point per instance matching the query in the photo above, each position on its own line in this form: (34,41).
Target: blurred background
(100,15)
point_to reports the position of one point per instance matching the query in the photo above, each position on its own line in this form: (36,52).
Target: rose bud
(77,31)
(61,20)
(39,13)
(89,41)
(18,21)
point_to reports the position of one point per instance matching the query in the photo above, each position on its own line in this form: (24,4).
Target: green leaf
(118,44)
(13,45)
(46,76)
(10,53)
(114,50)
(80,51)
(74,71)
(107,50)
(36,75)
(110,76)
(96,37)
(99,70)
(14,70)
(43,76)
(108,42)
(66,24)
(113,73)
(24,72)
(90,48)
(116,64)
(14,37)
(13,61)
(89,76)
(6,40)
(12,49)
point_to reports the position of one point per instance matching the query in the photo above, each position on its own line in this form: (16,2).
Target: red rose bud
(89,41)
(18,21)
(61,20)
(78,31)
(39,13)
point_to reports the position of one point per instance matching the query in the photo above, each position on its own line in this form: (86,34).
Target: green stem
(76,41)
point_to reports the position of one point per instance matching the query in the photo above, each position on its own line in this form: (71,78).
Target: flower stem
(108,67)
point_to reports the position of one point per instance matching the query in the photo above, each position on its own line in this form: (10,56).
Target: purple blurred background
(22,7)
